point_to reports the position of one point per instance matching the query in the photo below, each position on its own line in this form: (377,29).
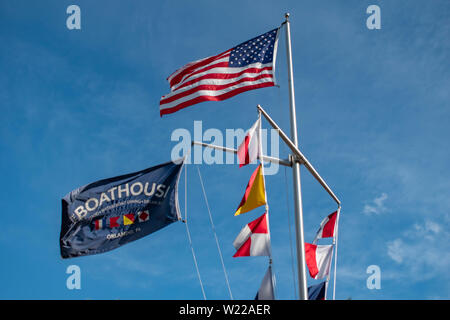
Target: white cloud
(377,205)
(423,251)
(432,226)
(427,231)
(396,250)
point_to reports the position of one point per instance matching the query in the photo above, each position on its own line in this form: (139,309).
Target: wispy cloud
(377,206)
(422,251)
(396,250)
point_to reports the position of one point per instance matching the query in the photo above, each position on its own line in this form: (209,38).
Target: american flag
(250,65)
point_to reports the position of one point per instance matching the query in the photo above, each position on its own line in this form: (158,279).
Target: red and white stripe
(327,227)
(249,149)
(254,239)
(211,79)
(98,224)
(318,259)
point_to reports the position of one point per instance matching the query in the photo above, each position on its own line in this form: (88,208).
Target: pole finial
(286,15)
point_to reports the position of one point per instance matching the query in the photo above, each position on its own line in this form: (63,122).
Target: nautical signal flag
(98,224)
(318,291)
(318,259)
(254,239)
(248,151)
(128,219)
(143,216)
(255,193)
(327,227)
(113,222)
(248,66)
(266,291)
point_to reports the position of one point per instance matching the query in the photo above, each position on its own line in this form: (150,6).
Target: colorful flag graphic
(128,219)
(98,224)
(113,222)
(143,216)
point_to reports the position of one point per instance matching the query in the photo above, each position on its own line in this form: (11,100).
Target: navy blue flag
(109,213)
(318,291)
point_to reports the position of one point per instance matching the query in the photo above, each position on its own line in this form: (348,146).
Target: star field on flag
(247,66)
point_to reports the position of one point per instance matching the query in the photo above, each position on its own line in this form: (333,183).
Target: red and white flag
(254,239)
(98,224)
(248,151)
(247,66)
(327,227)
(318,259)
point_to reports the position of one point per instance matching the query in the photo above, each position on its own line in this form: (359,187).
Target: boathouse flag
(248,66)
(254,239)
(255,193)
(318,259)
(327,227)
(249,149)
(109,213)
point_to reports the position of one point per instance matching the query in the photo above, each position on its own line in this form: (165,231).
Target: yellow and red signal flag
(255,193)
(128,219)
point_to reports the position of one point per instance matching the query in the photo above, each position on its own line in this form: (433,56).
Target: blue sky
(373,113)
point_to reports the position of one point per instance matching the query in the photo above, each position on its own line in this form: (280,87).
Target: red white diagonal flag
(318,259)
(248,151)
(254,239)
(247,66)
(327,227)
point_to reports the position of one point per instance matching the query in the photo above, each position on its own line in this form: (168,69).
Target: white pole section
(261,159)
(303,289)
(283,162)
(335,251)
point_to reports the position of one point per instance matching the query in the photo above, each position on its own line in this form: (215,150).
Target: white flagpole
(326,288)
(335,250)
(301,259)
(261,159)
